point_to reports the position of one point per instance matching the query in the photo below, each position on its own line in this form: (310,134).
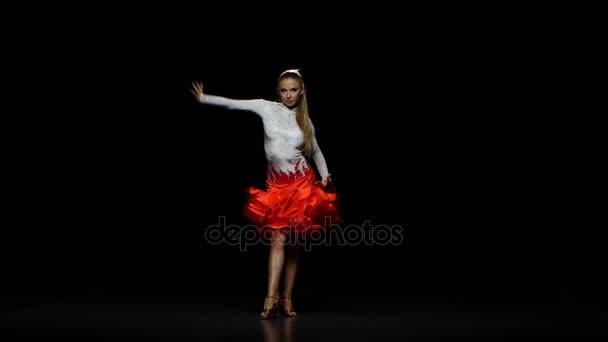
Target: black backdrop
(118,171)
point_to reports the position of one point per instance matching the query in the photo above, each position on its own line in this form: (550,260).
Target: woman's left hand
(326,181)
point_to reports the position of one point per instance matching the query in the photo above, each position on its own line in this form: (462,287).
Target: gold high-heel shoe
(273,311)
(288,313)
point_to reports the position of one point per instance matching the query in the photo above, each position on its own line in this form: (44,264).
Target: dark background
(465,139)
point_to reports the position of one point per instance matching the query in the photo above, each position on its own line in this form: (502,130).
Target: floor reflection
(276,330)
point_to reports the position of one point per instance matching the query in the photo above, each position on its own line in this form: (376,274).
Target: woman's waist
(287,171)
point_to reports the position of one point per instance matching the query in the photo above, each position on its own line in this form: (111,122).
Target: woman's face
(290,92)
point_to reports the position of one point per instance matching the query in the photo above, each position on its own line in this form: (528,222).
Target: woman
(293,200)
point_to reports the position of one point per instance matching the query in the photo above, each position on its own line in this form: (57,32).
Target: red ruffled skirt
(299,204)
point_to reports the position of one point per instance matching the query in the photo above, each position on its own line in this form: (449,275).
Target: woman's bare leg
(275,262)
(291,267)
(275,265)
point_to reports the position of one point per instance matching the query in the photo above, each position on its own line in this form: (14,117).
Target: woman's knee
(278,238)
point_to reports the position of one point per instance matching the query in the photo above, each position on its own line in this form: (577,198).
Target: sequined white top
(282,136)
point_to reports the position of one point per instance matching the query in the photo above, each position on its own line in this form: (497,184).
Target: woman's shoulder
(264,102)
(274,106)
(272,103)
(266,107)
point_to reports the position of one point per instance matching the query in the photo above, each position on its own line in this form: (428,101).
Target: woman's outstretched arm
(256,106)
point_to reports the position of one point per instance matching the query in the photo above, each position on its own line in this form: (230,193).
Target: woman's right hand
(197,90)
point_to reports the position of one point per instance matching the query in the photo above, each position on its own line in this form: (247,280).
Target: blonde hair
(302,117)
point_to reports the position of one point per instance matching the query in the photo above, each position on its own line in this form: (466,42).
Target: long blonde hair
(302,117)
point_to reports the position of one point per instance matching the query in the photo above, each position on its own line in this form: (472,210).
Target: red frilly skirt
(296,203)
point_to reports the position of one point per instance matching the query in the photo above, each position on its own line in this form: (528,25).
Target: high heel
(273,311)
(287,313)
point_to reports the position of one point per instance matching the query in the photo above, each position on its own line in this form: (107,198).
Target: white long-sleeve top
(282,136)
